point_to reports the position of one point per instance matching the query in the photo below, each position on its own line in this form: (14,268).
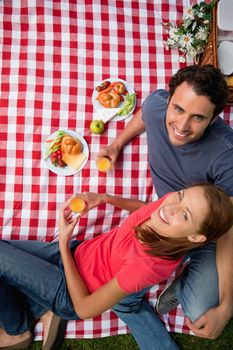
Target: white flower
(191,52)
(202,34)
(171,42)
(187,23)
(188,13)
(186,40)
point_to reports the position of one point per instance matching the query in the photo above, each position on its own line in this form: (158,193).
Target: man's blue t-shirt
(209,159)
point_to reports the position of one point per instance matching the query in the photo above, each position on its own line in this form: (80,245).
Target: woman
(98,273)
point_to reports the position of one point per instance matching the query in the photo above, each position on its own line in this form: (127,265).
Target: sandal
(56,334)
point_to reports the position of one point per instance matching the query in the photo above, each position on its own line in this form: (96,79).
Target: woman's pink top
(119,254)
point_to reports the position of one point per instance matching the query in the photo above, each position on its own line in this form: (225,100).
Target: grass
(126,342)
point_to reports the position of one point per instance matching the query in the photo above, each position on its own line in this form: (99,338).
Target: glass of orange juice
(77,204)
(103,164)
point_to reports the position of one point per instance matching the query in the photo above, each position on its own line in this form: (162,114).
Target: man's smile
(179,133)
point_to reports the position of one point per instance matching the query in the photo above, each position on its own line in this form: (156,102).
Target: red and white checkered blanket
(52,54)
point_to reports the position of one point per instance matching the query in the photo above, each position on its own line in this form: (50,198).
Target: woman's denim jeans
(31,274)
(41,278)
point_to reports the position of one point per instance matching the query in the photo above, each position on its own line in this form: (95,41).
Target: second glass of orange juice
(103,164)
(77,204)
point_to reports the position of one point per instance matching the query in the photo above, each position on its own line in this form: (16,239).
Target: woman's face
(181,214)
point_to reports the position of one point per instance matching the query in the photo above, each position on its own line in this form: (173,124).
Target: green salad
(128,105)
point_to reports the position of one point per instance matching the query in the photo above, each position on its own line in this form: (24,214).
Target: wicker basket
(210,55)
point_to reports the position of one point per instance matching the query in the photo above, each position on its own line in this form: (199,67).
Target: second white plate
(97,106)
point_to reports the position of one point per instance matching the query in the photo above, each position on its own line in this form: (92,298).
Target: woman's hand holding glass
(67,223)
(68,219)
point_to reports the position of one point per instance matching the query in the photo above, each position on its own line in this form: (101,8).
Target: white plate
(225,57)
(225,11)
(97,106)
(66,171)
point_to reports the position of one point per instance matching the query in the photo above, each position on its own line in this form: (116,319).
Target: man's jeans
(198,291)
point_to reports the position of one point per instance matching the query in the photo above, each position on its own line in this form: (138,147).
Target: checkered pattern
(52,53)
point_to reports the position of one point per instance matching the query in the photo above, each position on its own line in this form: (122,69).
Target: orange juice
(103,164)
(77,204)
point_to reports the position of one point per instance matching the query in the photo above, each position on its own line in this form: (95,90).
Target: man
(187,143)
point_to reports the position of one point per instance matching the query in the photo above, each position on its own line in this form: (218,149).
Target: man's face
(188,115)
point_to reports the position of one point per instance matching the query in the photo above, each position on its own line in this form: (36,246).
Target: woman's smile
(163,215)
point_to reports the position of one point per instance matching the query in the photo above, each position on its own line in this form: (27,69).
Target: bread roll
(110,100)
(71,145)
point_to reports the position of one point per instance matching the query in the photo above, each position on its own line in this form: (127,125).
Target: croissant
(110,99)
(71,145)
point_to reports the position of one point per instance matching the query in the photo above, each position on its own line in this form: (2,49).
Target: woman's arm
(95,199)
(85,304)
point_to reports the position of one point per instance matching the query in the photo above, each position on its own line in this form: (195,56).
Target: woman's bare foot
(10,340)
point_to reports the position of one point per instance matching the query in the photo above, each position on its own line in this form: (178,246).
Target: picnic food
(65,150)
(103,164)
(124,107)
(119,88)
(74,160)
(103,86)
(71,145)
(56,159)
(53,151)
(111,95)
(77,204)
(130,100)
(110,99)
(72,152)
(97,126)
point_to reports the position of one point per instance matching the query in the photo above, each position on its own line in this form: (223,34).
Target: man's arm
(211,323)
(95,199)
(135,127)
